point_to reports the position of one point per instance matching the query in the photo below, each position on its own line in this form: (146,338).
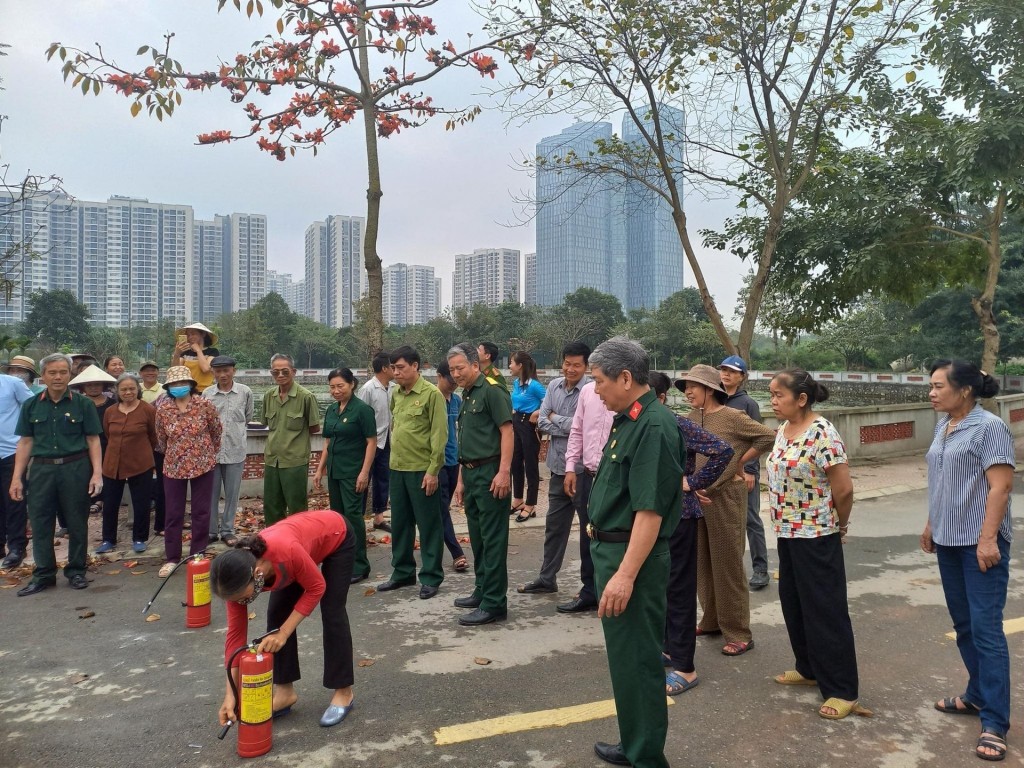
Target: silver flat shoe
(334,715)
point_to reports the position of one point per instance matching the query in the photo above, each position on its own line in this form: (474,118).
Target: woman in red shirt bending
(302,560)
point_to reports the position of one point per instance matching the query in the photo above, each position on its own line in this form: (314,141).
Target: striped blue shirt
(957,486)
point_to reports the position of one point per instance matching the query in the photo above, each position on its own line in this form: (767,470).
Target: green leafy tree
(57,319)
(603,310)
(759,85)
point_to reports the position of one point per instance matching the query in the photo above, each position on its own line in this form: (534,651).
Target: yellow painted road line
(527,721)
(1010,627)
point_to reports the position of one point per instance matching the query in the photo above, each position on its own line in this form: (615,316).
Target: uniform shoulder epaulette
(493,382)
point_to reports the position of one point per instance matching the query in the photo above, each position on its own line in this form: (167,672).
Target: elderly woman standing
(970,475)
(721,583)
(811,497)
(350,446)
(188,426)
(130,427)
(94,384)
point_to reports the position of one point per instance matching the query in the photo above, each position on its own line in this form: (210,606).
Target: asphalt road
(114,690)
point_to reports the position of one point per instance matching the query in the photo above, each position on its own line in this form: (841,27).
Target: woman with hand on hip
(970,476)
(304,560)
(350,446)
(811,495)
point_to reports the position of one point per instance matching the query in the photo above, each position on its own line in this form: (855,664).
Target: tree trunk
(707,300)
(982,304)
(374,273)
(760,282)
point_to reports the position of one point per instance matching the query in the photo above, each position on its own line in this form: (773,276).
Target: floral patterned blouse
(191,438)
(799,492)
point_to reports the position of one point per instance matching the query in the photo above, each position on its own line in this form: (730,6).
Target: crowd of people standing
(665,504)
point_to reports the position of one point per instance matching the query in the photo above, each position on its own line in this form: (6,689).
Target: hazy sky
(444,193)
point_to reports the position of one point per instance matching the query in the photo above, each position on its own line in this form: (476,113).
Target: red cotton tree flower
(333,61)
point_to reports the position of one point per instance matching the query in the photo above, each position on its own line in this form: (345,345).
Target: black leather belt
(609,537)
(60,459)
(474,463)
(522,416)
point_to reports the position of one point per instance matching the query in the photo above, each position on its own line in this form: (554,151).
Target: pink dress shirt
(591,425)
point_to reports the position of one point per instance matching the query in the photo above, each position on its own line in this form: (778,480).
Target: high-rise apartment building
(412,295)
(292,291)
(530,279)
(486,276)
(335,277)
(601,232)
(133,262)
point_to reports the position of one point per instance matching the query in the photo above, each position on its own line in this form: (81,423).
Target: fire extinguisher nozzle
(224,730)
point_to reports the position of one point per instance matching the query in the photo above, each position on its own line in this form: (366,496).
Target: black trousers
(159,504)
(141,488)
(681,616)
(338,669)
(13,514)
(584,484)
(525,458)
(812,592)
(380,478)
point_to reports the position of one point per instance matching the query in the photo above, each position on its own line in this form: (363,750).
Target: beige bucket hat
(702,374)
(177,374)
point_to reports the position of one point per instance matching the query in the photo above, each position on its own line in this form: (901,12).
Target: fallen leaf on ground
(78,678)
(131,563)
(481,661)
(367,662)
(87,615)
(464,540)
(369,591)
(252,615)
(153,617)
(138,573)
(113,573)
(384,540)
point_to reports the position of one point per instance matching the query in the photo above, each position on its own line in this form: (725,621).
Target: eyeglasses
(280,371)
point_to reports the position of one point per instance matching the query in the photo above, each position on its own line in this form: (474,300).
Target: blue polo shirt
(13,392)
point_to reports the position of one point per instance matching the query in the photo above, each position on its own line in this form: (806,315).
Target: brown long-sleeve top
(131,438)
(738,430)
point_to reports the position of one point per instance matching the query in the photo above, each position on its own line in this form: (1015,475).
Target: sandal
(842,708)
(461,564)
(792,677)
(523,516)
(675,683)
(994,741)
(736,648)
(949,706)
(707,632)
(516,510)
(165,570)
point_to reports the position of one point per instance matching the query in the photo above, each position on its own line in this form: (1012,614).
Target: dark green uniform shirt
(485,407)
(495,375)
(348,431)
(641,469)
(58,429)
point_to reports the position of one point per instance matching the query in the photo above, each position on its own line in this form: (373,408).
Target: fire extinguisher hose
(231,680)
(164,582)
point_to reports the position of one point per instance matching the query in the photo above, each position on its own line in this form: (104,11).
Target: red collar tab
(634,412)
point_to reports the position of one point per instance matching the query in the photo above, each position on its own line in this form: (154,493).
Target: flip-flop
(675,683)
(461,564)
(792,677)
(948,705)
(282,711)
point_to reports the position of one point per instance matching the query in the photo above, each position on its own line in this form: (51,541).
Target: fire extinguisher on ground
(254,698)
(197,590)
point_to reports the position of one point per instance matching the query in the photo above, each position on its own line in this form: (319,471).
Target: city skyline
(471,180)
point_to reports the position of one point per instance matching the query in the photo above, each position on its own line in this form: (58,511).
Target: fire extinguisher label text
(257,697)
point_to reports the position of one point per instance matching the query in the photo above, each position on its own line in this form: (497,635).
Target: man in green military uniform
(292,414)
(419,433)
(487,351)
(634,507)
(485,453)
(59,431)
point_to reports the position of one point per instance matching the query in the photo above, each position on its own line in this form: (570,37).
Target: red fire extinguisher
(197,592)
(254,699)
